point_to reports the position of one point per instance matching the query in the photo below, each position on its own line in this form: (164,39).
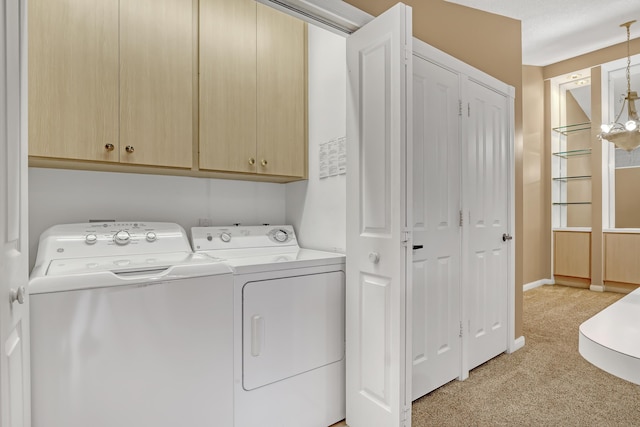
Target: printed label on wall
(333,158)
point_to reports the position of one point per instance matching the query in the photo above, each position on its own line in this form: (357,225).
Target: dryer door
(291,325)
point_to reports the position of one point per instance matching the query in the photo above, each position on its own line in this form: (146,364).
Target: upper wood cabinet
(117,82)
(156,82)
(228,85)
(252,89)
(112,81)
(73,79)
(281,147)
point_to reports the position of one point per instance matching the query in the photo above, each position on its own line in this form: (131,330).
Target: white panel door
(436,227)
(378,336)
(486,177)
(14,315)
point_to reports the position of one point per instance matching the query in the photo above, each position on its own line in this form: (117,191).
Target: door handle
(17,295)
(257,335)
(506,237)
(416,247)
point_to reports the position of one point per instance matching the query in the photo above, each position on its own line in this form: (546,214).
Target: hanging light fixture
(627,135)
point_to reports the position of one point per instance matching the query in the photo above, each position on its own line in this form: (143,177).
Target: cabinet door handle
(252,161)
(263,162)
(109,147)
(129,149)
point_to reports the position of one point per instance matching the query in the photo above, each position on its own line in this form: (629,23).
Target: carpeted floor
(546,383)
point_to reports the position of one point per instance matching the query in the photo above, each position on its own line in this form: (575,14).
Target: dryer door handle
(257,335)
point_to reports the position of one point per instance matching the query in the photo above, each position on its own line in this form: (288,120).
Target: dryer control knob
(281,236)
(90,239)
(122,237)
(225,237)
(151,236)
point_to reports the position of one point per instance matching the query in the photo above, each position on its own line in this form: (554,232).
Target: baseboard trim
(537,284)
(596,288)
(517,344)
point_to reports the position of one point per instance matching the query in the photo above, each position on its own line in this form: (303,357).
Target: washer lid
(118,264)
(86,273)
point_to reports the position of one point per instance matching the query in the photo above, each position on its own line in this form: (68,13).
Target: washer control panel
(242,237)
(96,239)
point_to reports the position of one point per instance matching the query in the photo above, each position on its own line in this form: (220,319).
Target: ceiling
(554,30)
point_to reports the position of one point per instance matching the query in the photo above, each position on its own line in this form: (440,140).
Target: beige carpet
(546,383)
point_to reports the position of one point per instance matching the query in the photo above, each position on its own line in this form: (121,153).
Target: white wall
(58,196)
(317,208)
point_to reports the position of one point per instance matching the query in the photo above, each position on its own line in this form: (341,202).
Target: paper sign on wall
(333,158)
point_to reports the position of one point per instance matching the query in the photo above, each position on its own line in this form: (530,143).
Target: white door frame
(15,408)
(466,71)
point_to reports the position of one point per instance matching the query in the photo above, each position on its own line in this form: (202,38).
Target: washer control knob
(281,236)
(122,237)
(90,239)
(225,237)
(151,236)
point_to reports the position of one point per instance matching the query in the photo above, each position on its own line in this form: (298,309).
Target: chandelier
(627,135)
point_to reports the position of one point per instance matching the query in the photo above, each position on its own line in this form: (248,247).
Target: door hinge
(405,415)
(460,334)
(469,109)
(406,238)
(460,107)
(461,219)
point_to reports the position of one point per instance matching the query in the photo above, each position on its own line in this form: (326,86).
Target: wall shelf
(571,178)
(573,153)
(565,130)
(570,203)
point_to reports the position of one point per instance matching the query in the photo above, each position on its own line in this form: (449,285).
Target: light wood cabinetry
(281,148)
(622,258)
(196,87)
(252,89)
(228,85)
(73,79)
(156,82)
(572,257)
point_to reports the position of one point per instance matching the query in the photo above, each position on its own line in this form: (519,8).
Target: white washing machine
(129,328)
(289,329)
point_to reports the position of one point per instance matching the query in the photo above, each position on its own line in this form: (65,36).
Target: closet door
(436,227)
(378,328)
(486,176)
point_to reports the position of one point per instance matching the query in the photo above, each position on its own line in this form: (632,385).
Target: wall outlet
(204,222)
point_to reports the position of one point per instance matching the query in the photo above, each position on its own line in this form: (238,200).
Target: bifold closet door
(436,352)
(486,197)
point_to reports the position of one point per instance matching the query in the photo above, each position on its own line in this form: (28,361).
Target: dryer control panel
(243,237)
(98,239)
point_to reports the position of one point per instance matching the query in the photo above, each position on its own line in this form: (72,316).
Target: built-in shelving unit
(571,174)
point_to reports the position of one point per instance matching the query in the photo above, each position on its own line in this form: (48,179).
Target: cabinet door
(156,82)
(73,79)
(228,85)
(281,94)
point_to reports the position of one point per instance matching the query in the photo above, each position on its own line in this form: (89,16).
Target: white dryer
(129,328)
(289,329)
